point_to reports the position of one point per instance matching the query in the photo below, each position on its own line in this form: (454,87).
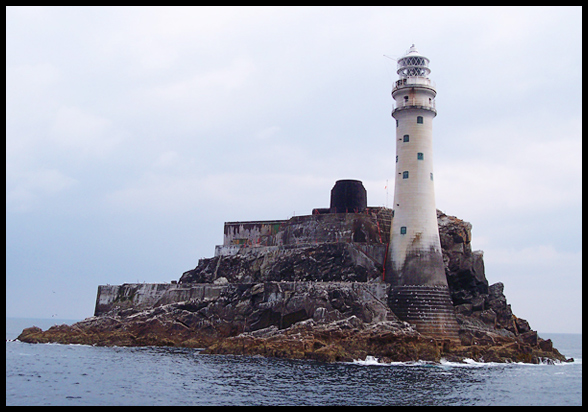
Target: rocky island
(309,288)
(342,283)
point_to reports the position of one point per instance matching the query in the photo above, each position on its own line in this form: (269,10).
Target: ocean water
(52,374)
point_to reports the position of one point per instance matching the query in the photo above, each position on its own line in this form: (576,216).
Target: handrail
(419,103)
(414,81)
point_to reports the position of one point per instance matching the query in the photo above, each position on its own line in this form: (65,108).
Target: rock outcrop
(481,309)
(323,262)
(323,302)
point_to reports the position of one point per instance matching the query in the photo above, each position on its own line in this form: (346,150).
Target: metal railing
(415,103)
(414,81)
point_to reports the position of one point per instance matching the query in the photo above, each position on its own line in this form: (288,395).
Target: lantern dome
(413,64)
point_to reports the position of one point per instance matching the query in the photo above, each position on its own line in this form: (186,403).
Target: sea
(53,374)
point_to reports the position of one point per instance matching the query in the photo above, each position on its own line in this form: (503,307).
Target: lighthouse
(414,268)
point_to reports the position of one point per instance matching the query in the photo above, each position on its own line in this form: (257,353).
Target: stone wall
(277,304)
(260,233)
(142,296)
(370,227)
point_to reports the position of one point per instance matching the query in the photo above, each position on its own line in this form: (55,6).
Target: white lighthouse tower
(414,268)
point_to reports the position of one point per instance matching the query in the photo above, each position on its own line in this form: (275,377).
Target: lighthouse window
(403,230)
(420,119)
(405,174)
(396,158)
(420,156)
(405,139)
(431,176)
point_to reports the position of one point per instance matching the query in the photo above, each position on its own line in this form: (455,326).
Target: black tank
(348,196)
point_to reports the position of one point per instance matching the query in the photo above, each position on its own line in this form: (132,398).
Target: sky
(134,133)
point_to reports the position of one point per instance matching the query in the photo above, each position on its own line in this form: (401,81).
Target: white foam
(443,363)
(468,363)
(369,360)
(373,361)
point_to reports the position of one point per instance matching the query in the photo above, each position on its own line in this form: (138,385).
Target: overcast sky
(133,134)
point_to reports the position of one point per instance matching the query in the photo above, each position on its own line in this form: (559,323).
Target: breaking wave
(466,363)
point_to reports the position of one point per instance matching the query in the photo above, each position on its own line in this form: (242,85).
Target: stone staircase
(428,308)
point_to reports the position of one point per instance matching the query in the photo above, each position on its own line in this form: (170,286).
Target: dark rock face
(323,302)
(326,262)
(481,309)
(464,268)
